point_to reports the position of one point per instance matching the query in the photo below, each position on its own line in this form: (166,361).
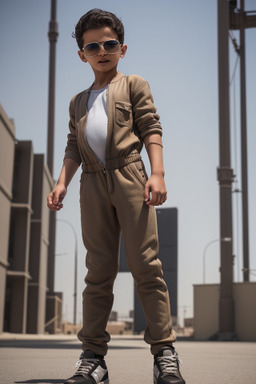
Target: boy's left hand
(155,185)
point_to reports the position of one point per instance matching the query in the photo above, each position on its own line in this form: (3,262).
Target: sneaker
(166,367)
(91,369)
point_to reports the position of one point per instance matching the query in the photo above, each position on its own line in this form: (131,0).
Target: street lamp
(225,239)
(75,267)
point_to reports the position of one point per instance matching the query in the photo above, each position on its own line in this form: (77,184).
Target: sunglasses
(110,46)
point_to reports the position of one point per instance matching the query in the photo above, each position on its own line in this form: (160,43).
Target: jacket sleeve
(72,151)
(145,114)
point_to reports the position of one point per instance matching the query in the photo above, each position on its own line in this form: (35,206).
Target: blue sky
(172,44)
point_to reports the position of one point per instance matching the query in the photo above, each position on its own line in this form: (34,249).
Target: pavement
(44,359)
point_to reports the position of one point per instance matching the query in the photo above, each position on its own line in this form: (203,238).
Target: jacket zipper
(103,168)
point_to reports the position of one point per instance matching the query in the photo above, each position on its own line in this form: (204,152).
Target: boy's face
(103,61)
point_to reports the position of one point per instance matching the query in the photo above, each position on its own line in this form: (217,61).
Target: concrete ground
(35,359)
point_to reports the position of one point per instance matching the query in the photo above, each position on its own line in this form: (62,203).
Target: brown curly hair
(97,18)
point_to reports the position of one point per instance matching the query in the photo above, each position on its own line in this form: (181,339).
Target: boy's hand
(55,198)
(155,185)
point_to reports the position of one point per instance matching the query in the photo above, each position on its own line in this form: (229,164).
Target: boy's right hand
(55,198)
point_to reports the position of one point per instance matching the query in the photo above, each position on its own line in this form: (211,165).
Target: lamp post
(75,267)
(225,239)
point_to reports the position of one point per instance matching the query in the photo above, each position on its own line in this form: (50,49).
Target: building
(7,150)
(25,182)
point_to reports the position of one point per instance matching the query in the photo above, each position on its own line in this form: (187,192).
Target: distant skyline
(173,45)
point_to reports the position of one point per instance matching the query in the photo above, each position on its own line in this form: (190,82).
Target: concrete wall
(206,310)
(7,148)
(53,313)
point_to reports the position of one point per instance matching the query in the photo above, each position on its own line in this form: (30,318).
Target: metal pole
(225,178)
(53,34)
(244,150)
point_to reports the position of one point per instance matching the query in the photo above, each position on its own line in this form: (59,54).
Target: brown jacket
(131,117)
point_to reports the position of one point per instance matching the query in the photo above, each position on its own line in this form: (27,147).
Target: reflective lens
(91,49)
(110,46)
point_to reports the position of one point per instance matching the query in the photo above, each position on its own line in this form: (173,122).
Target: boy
(109,122)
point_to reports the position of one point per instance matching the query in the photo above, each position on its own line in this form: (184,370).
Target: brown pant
(112,201)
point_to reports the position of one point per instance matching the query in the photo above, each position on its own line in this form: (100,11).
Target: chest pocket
(123,114)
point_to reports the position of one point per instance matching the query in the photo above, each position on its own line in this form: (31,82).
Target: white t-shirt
(97,122)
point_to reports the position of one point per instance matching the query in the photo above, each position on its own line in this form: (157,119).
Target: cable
(234,70)
(234,42)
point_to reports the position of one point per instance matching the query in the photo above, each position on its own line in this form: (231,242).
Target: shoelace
(85,365)
(169,364)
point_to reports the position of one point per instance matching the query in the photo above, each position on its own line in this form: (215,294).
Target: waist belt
(111,164)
